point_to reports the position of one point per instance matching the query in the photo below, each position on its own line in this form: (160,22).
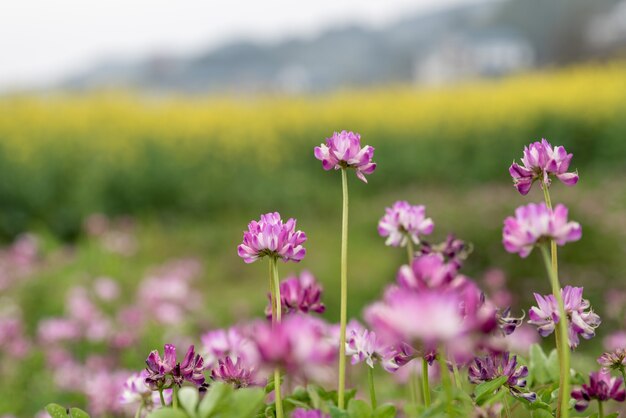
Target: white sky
(44,40)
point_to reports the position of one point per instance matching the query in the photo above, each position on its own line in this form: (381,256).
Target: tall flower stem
(409,249)
(175,397)
(600,409)
(425,383)
(445,380)
(276,317)
(343,318)
(623,372)
(370,379)
(161,396)
(552,265)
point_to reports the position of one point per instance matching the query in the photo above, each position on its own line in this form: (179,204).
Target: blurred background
(138,138)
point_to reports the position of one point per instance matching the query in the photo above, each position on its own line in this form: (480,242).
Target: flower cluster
(602,387)
(299,294)
(581,321)
(534,224)
(541,161)
(272,237)
(615,360)
(404,222)
(166,372)
(343,150)
(501,364)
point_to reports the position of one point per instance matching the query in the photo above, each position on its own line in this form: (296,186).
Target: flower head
(615,360)
(429,271)
(581,322)
(310,413)
(363,345)
(501,364)
(270,236)
(299,294)
(136,392)
(534,224)
(601,387)
(302,345)
(403,222)
(343,150)
(541,161)
(233,372)
(164,373)
(507,322)
(453,250)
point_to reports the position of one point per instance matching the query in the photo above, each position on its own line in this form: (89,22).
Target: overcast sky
(44,40)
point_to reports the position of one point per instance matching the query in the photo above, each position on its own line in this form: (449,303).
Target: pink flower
(301,345)
(429,271)
(164,373)
(363,345)
(299,294)
(403,222)
(343,150)
(271,237)
(601,387)
(540,161)
(581,322)
(615,341)
(304,413)
(534,224)
(233,372)
(615,360)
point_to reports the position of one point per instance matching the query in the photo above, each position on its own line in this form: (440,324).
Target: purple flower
(299,294)
(601,387)
(231,342)
(580,321)
(429,272)
(508,323)
(135,392)
(454,250)
(615,360)
(164,373)
(363,345)
(431,317)
(301,345)
(343,150)
(540,161)
(403,222)
(311,413)
(233,372)
(271,237)
(534,224)
(501,364)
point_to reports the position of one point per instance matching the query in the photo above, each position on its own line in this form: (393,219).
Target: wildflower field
(122,216)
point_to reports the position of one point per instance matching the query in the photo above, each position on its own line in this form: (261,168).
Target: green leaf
(78,413)
(486,390)
(244,403)
(359,409)
(613,415)
(167,413)
(216,397)
(541,413)
(189,398)
(338,413)
(538,365)
(56,411)
(385,411)
(553,366)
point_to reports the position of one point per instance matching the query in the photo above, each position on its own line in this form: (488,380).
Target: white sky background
(42,41)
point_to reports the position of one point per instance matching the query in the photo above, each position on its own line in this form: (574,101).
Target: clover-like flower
(615,360)
(272,237)
(453,250)
(501,364)
(582,321)
(601,387)
(541,161)
(507,322)
(534,224)
(299,294)
(343,150)
(137,393)
(403,222)
(363,345)
(233,372)
(166,372)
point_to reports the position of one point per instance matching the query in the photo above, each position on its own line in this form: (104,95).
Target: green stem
(370,378)
(507,410)
(276,317)
(409,249)
(412,389)
(175,397)
(445,380)
(457,376)
(138,413)
(600,409)
(161,397)
(623,372)
(343,318)
(425,383)
(562,334)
